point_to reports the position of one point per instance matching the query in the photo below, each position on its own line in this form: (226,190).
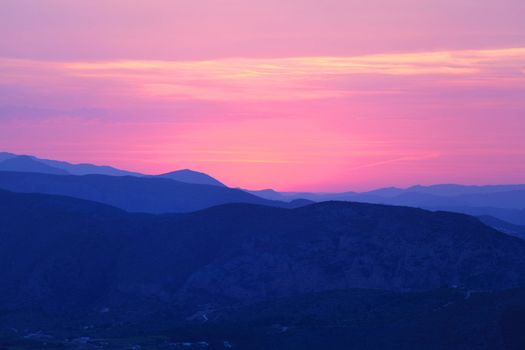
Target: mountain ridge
(63,168)
(135,194)
(252,252)
(191,176)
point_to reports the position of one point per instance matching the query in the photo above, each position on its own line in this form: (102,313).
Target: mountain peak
(192,176)
(29,164)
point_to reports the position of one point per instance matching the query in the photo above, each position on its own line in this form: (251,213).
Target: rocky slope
(62,254)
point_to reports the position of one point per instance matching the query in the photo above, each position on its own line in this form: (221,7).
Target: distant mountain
(506,202)
(453,194)
(64,255)
(271,195)
(29,164)
(136,194)
(190,176)
(88,169)
(312,196)
(503,226)
(513,216)
(6,155)
(455,190)
(26,163)
(38,165)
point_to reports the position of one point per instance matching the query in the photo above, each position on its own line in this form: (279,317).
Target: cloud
(278,121)
(408,158)
(207,29)
(271,79)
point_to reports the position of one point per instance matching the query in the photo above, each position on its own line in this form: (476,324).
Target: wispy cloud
(408,158)
(258,79)
(442,116)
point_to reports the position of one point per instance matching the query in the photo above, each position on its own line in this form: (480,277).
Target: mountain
(87,169)
(513,216)
(193,177)
(312,196)
(503,226)
(69,255)
(337,275)
(6,155)
(135,194)
(501,196)
(505,202)
(455,190)
(26,163)
(337,245)
(29,164)
(509,199)
(270,194)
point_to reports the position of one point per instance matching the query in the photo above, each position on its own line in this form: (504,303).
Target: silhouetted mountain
(58,167)
(503,226)
(514,216)
(190,176)
(336,245)
(136,194)
(506,202)
(88,169)
(456,190)
(506,199)
(63,255)
(269,194)
(297,203)
(25,163)
(28,164)
(502,196)
(6,155)
(312,196)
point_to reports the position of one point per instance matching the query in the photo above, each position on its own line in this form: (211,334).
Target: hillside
(66,254)
(135,194)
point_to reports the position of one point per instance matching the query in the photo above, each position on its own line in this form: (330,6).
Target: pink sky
(294,95)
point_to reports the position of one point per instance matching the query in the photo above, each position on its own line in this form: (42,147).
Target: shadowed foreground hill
(330,275)
(63,254)
(135,194)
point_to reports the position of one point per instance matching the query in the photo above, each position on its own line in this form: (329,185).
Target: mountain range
(505,203)
(69,251)
(256,277)
(104,255)
(27,163)
(133,193)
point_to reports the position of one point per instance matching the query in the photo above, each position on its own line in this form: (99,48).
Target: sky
(301,95)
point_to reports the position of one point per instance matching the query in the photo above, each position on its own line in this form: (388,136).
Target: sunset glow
(320,111)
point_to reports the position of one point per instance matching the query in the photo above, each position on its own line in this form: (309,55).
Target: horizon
(262,174)
(284,192)
(294,96)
